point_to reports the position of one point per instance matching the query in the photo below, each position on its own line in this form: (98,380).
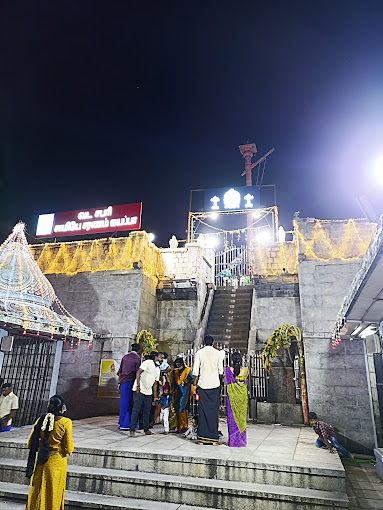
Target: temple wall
(276,303)
(337,383)
(116,305)
(301,283)
(338,390)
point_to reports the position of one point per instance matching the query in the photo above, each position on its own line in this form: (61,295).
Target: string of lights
(101,255)
(27,297)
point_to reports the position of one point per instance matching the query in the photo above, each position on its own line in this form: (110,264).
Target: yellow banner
(108,379)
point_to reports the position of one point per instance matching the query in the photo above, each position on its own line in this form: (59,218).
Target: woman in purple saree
(236,401)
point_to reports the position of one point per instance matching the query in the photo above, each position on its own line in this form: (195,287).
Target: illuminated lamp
(232,199)
(257,214)
(378,170)
(151,237)
(213,215)
(263,237)
(211,241)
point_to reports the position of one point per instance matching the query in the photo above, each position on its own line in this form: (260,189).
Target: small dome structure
(27,298)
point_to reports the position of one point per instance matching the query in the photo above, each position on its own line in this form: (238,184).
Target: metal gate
(297,379)
(257,380)
(29,368)
(232,267)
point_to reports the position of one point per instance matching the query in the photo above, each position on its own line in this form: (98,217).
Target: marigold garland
(147,342)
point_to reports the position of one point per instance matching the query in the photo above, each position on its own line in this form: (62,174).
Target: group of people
(153,389)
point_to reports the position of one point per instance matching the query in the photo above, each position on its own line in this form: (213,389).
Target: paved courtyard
(266,444)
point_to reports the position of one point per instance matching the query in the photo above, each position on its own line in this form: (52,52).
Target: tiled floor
(364,488)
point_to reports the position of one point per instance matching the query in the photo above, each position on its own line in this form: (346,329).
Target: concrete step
(231,319)
(205,492)
(310,477)
(234,290)
(13,497)
(223,328)
(228,341)
(235,303)
(237,298)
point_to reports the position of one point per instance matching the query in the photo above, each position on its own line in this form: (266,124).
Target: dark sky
(111,102)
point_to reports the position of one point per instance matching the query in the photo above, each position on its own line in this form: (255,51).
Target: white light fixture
(249,198)
(213,216)
(263,236)
(232,199)
(370,330)
(45,224)
(257,214)
(281,235)
(378,170)
(211,241)
(151,237)
(215,201)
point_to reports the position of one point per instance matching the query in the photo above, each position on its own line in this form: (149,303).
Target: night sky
(111,102)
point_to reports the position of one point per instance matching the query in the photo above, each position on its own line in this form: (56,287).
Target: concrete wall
(322,287)
(192,261)
(337,384)
(338,390)
(275,303)
(178,317)
(116,305)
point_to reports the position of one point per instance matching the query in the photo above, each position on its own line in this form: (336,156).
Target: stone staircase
(103,479)
(229,318)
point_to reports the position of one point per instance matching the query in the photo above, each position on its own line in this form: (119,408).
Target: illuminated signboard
(232,199)
(90,221)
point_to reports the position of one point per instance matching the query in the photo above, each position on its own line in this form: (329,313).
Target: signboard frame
(96,220)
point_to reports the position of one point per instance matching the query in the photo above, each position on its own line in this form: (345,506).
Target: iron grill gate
(297,380)
(29,368)
(233,267)
(257,381)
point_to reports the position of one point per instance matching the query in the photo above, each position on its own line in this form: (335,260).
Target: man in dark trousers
(127,372)
(208,371)
(146,393)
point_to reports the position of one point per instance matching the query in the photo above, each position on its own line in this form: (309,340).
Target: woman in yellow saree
(51,440)
(183,378)
(236,401)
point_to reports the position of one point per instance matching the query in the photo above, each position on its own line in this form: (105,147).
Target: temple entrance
(29,367)
(232,267)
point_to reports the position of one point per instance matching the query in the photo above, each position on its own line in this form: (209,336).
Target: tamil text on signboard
(90,221)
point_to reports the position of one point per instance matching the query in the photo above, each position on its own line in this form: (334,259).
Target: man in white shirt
(208,370)
(9,403)
(145,387)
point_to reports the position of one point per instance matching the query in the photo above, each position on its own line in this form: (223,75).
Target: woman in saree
(236,401)
(182,380)
(51,440)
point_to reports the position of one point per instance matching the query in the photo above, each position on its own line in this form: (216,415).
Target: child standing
(165,403)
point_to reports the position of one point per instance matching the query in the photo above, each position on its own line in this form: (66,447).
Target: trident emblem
(215,200)
(248,199)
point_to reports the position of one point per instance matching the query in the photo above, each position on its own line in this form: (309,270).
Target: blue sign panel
(240,198)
